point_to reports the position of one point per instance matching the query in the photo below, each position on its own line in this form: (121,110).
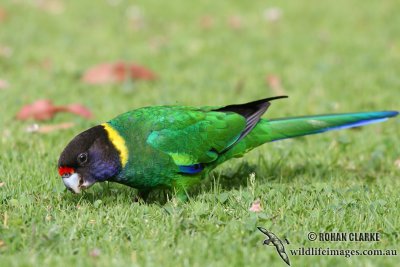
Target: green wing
(196,135)
(201,135)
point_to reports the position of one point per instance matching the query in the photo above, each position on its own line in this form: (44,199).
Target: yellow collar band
(118,142)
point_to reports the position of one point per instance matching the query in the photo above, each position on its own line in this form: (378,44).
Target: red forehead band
(65,170)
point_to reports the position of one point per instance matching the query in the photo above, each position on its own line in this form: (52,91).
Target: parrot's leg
(142,194)
(181,194)
(180,189)
(183,184)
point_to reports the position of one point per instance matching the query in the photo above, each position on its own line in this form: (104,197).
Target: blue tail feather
(298,126)
(353,124)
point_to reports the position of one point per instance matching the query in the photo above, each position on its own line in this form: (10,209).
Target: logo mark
(273,240)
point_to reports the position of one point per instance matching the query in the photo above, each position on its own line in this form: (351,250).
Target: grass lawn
(331,56)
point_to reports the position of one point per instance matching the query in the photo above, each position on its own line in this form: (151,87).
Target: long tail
(298,126)
(278,129)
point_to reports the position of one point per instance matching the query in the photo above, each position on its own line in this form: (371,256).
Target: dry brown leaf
(158,42)
(274,82)
(114,2)
(40,110)
(46,64)
(135,18)
(256,206)
(207,22)
(95,253)
(44,109)
(4,84)
(134,256)
(5,51)
(272,14)
(5,220)
(239,86)
(3,14)
(397,163)
(2,184)
(54,7)
(116,72)
(36,128)
(79,110)
(235,22)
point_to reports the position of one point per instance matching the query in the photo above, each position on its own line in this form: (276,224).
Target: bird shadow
(225,179)
(266,172)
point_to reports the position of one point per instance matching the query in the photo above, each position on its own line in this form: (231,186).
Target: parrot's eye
(82,158)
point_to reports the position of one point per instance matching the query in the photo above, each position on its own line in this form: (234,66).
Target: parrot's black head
(90,157)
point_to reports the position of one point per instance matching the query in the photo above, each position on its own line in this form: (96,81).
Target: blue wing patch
(191,169)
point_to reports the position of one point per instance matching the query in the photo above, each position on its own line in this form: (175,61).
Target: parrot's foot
(182,197)
(181,194)
(182,186)
(142,196)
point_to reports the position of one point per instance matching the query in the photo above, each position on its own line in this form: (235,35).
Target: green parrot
(177,146)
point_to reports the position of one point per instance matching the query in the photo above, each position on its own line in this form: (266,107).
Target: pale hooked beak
(73,182)
(76,183)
